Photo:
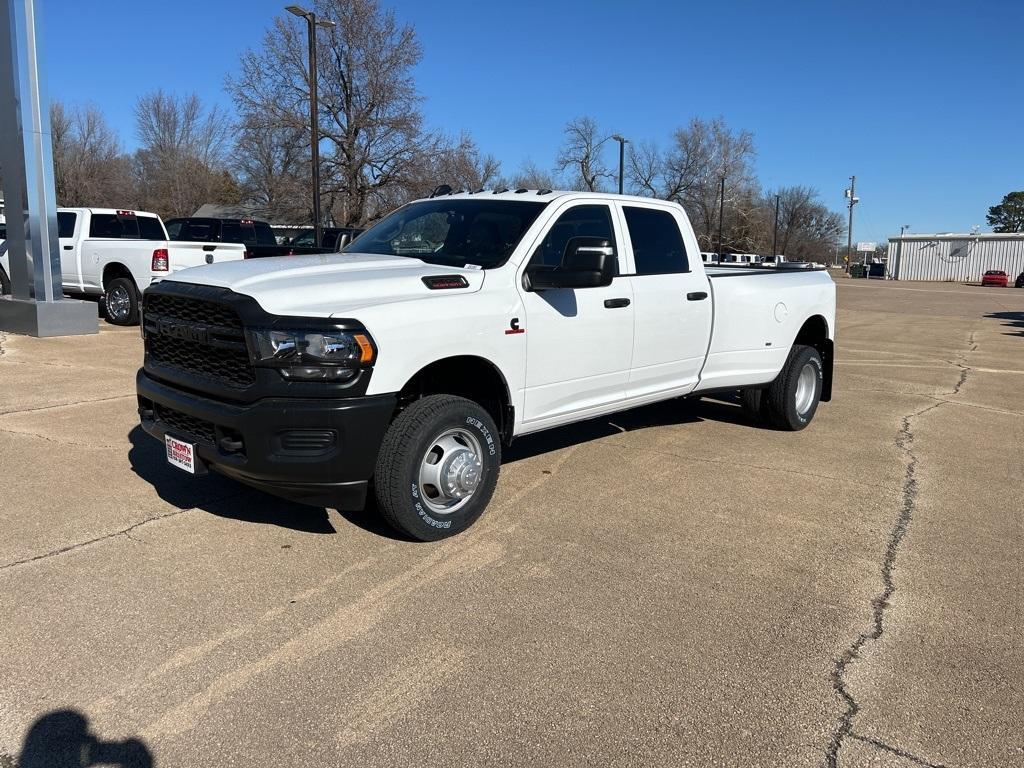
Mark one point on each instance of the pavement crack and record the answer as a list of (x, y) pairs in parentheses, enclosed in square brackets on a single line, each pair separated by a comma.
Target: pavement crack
[(895, 751), (880, 603), (66, 405), (57, 441), (126, 532)]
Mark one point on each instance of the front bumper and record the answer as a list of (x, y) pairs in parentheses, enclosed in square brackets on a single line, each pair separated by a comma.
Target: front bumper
[(314, 451)]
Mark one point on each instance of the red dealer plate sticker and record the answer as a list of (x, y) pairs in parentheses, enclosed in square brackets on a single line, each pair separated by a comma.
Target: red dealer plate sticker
[(180, 455)]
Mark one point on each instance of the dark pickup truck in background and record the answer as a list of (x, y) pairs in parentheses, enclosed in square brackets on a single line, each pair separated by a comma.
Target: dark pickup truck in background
[(257, 236), (332, 239)]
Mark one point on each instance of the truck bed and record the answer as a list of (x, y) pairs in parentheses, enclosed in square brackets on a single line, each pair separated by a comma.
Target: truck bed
[(755, 320)]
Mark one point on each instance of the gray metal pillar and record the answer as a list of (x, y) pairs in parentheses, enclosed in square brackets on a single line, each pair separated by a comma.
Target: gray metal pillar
[(37, 305)]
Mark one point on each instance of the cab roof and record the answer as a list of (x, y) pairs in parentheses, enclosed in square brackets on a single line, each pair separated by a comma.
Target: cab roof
[(542, 195)]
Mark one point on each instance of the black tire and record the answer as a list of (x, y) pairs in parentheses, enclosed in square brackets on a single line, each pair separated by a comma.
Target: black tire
[(121, 302), (408, 505), (789, 405), (755, 405), (5, 283)]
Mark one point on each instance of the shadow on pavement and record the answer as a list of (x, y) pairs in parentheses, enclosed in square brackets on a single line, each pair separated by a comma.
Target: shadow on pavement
[(723, 408), (218, 495), (223, 497), (61, 739), (1013, 320)]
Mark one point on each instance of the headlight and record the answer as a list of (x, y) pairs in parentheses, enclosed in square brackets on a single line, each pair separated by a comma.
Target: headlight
[(312, 355)]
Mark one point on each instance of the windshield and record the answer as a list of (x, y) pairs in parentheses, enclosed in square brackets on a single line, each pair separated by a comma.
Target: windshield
[(477, 232)]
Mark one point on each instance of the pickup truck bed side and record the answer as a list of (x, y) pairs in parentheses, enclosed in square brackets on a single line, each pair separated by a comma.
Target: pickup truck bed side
[(117, 254)]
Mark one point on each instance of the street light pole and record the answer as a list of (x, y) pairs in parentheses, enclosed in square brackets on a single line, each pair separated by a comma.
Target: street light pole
[(851, 194), (721, 214), (622, 157), (775, 238), (314, 112)]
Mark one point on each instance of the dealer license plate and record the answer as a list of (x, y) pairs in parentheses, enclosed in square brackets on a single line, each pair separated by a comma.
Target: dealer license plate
[(180, 455)]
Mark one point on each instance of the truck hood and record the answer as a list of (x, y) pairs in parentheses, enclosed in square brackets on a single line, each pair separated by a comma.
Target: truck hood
[(328, 284)]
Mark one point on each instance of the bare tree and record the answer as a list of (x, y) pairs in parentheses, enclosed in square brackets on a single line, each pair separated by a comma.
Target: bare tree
[(182, 161), (272, 165), (89, 167), (690, 172), (582, 156), (808, 230), (370, 118), (461, 165), (529, 176)]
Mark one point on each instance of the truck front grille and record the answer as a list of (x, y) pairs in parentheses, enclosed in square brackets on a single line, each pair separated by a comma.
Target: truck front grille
[(198, 338)]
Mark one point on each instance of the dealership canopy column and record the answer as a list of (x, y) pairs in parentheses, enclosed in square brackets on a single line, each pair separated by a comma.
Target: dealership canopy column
[(37, 305)]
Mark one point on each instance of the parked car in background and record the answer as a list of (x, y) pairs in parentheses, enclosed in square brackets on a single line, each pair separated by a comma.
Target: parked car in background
[(1019, 283), (995, 277), (257, 236), (117, 254)]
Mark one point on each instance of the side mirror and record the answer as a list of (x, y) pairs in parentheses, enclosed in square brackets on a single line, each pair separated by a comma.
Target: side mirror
[(588, 262)]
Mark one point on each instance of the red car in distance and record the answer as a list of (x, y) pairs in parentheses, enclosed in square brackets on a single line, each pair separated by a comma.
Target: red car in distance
[(995, 277)]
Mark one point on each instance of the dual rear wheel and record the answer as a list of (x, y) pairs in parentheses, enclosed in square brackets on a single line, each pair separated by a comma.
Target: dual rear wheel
[(790, 401)]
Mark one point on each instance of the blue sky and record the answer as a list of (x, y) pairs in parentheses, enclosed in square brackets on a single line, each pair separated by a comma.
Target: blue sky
[(921, 100)]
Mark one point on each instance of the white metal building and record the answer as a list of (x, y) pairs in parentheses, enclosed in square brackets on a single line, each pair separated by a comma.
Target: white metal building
[(955, 258)]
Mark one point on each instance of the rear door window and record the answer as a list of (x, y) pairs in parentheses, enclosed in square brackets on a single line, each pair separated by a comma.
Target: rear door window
[(66, 221), (657, 243)]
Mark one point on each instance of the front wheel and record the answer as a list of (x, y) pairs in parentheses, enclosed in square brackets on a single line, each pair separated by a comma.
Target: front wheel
[(437, 467), (793, 396), (121, 302), (5, 283)]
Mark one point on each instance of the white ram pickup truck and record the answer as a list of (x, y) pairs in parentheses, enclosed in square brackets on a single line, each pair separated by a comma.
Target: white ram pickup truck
[(117, 254), (454, 325)]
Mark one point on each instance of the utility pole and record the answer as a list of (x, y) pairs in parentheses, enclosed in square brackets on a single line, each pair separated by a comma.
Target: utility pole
[(314, 112), (622, 157), (721, 213), (899, 253), (851, 195), (775, 239)]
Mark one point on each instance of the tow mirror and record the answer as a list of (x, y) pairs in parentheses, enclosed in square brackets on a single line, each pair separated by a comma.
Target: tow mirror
[(588, 262)]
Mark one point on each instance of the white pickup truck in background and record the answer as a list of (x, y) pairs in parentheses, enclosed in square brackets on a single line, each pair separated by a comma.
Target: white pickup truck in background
[(454, 325), (117, 254)]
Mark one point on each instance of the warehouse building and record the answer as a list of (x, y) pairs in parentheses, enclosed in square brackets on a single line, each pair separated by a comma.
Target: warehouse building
[(955, 258)]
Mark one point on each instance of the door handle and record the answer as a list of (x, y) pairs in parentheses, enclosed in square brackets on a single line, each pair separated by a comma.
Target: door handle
[(696, 296), (68, 247), (615, 303)]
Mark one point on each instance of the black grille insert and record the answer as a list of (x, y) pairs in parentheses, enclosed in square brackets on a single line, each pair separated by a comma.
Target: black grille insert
[(197, 337), (185, 425)]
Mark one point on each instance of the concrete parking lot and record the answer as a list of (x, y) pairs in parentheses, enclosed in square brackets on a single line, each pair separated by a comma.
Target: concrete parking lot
[(670, 586)]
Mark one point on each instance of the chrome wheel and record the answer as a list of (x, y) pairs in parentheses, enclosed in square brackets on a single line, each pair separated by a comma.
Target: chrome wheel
[(806, 386), (119, 303), (450, 471)]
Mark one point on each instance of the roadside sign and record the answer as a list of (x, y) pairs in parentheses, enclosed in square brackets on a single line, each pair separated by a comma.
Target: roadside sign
[(869, 247)]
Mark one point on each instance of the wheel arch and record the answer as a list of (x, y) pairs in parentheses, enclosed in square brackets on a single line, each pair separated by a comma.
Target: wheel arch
[(114, 270), (470, 376), (815, 333)]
